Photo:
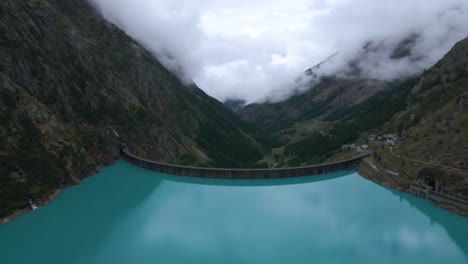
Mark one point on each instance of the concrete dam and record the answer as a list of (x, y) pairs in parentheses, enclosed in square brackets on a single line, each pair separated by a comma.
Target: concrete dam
[(234, 173)]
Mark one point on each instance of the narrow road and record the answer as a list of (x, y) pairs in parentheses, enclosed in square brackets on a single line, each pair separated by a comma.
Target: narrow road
[(372, 165), (422, 162)]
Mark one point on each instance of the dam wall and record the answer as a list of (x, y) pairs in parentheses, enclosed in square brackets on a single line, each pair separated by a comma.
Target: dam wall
[(231, 173)]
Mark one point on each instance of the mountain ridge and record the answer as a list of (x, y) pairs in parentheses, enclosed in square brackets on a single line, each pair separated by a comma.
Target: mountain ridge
[(434, 128), (427, 113)]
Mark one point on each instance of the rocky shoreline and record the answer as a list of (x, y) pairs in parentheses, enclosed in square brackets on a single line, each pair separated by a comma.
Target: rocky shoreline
[(112, 158), (379, 179), (107, 160), (42, 202)]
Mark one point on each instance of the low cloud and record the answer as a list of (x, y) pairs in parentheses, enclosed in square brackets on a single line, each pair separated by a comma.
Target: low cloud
[(255, 50)]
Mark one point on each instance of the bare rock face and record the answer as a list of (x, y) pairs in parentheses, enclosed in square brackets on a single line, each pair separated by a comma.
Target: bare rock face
[(40, 116)]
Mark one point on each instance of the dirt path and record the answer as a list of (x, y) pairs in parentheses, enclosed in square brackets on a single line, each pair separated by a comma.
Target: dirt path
[(426, 163)]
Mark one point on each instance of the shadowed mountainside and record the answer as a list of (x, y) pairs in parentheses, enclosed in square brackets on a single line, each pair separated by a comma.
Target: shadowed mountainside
[(73, 86)]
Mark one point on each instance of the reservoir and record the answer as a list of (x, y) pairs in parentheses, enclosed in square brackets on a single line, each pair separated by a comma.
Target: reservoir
[(126, 214)]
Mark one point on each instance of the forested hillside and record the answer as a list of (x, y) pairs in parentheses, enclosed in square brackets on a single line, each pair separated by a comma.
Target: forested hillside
[(73, 86)]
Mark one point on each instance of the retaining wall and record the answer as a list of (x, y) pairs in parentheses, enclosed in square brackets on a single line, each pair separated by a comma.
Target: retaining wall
[(227, 173), (447, 199)]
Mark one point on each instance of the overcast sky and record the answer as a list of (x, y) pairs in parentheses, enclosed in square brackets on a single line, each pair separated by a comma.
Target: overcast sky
[(255, 49)]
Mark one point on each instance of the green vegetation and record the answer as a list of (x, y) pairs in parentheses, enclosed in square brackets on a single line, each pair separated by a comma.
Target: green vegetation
[(365, 116), (377, 109), (187, 159), (229, 143), (73, 86), (29, 170)]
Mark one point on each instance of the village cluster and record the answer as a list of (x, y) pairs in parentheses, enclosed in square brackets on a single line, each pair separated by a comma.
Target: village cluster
[(383, 140)]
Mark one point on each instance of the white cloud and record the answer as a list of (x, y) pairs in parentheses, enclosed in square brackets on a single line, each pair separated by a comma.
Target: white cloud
[(255, 49)]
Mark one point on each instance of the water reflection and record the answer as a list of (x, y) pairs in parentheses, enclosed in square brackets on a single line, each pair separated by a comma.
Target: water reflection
[(78, 222), (257, 182), (455, 225), (335, 222), (145, 217)]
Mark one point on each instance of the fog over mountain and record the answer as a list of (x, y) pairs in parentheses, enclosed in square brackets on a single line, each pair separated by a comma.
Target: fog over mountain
[(255, 49)]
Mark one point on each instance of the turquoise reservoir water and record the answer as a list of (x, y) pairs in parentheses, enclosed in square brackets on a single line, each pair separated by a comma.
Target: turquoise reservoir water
[(126, 214)]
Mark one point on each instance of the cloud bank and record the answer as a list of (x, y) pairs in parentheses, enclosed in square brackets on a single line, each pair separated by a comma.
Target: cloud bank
[(256, 49)]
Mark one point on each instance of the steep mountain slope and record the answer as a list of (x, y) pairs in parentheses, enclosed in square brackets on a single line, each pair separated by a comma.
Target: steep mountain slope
[(348, 124), (311, 126), (435, 127), (73, 86), (329, 94), (428, 111), (234, 104)]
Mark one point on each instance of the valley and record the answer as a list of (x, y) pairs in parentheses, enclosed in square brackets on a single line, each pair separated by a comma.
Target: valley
[(426, 115)]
